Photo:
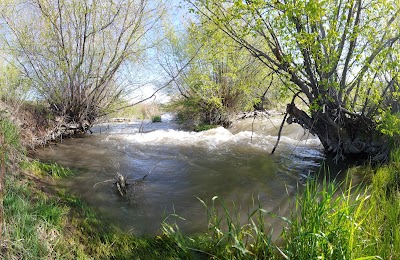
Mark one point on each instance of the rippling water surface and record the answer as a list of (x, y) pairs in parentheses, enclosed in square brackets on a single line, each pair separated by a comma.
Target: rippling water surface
[(182, 166)]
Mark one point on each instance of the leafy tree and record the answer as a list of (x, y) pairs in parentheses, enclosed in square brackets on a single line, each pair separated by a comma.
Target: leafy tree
[(340, 60), (221, 79), (13, 87), (72, 50)]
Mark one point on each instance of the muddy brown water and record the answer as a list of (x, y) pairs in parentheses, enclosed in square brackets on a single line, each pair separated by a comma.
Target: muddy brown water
[(182, 167)]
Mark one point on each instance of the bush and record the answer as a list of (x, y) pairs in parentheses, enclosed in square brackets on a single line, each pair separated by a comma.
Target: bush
[(156, 119), (204, 127), (196, 111)]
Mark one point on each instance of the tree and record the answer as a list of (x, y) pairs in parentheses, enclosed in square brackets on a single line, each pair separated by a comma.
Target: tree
[(74, 49), (13, 87), (338, 58), (221, 79)]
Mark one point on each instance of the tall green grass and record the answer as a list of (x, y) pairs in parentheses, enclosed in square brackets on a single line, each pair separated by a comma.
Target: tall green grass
[(53, 170), (227, 236), (329, 220), (382, 225), (57, 225), (10, 139), (32, 230)]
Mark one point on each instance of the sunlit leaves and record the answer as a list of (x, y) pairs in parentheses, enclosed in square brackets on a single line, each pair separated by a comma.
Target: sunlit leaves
[(323, 41), (223, 77), (389, 123)]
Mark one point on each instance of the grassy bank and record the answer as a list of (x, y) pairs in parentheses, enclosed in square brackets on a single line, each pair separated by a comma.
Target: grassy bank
[(328, 221), (41, 222), (44, 224)]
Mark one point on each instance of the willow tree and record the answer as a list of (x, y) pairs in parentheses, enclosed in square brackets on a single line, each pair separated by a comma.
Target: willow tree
[(222, 77), (71, 50), (339, 59)]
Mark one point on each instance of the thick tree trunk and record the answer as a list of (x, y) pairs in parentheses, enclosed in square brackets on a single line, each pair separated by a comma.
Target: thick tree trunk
[(342, 133)]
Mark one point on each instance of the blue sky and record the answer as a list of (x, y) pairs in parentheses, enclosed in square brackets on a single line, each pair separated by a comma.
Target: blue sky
[(147, 75)]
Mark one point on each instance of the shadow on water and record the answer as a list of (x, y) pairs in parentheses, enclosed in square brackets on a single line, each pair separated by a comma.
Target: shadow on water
[(181, 167)]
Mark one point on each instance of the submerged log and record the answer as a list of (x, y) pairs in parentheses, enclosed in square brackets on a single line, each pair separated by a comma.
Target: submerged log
[(121, 184)]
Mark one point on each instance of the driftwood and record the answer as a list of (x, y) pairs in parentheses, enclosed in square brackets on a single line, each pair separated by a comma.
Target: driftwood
[(60, 131), (122, 184), (119, 119), (258, 113)]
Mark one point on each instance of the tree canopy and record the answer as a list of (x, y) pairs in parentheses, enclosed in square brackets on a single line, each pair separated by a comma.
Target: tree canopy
[(222, 79), (73, 49)]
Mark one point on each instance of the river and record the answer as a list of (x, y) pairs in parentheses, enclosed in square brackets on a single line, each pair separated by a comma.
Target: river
[(182, 167)]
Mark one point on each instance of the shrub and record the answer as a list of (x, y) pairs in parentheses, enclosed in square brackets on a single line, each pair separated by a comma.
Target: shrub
[(156, 119), (204, 127)]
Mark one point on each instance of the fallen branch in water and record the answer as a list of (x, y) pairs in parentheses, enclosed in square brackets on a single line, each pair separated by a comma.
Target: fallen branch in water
[(121, 184), (94, 186)]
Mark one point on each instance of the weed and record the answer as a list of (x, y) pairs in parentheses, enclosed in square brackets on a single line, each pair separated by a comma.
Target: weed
[(53, 170), (227, 237), (10, 133)]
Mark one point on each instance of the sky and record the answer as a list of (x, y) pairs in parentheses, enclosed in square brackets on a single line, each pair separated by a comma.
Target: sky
[(147, 76)]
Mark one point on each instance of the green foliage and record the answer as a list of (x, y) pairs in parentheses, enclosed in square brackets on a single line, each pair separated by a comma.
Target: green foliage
[(342, 56), (221, 79), (13, 86), (156, 119), (188, 111), (53, 170), (325, 223), (204, 127), (227, 237), (389, 124), (10, 133)]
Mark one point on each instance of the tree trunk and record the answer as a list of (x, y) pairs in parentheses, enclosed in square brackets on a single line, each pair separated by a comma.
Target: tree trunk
[(342, 133)]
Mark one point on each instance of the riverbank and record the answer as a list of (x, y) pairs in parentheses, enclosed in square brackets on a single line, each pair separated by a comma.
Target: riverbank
[(329, 220), (42, 222)]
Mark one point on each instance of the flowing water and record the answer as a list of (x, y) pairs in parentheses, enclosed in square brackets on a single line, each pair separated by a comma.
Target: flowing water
[(182, 167)]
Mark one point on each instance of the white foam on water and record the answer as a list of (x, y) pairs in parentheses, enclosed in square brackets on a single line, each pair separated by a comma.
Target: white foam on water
[(211, 139), (168, 117)]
